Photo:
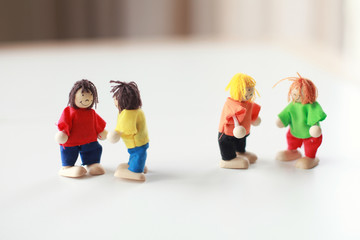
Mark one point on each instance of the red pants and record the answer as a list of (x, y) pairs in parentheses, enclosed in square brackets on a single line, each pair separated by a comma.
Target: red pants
[(310, 144)]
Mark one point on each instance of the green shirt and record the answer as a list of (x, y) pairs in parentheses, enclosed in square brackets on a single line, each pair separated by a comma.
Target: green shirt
[(301, 117)]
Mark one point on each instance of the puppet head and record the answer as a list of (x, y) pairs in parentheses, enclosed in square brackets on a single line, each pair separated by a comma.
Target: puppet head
[(83, 95), (126, 95), (301, 90), (242, 87)]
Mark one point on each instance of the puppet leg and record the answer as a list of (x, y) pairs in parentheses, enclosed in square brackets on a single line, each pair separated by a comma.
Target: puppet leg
[(136, 164), (69, 156), (310, 160), (126, 165), (90, 156), (249, 155), (292, 153), (228, 153), (240, 147)]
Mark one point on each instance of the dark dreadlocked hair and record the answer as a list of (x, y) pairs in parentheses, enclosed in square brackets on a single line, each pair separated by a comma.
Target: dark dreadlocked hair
[(127, 95), (85, 86)]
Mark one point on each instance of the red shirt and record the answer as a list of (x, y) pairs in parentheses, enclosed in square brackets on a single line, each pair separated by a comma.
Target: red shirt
[(81, 125), (245, 112)]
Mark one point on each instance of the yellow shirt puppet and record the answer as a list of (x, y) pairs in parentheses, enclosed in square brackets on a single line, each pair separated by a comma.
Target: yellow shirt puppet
[(131, 127)]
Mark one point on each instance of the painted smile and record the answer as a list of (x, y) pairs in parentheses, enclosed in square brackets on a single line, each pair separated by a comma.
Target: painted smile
[(84, 104)]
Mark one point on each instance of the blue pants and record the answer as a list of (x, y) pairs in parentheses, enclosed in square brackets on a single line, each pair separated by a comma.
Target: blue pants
[(90, 153), (137, 158)]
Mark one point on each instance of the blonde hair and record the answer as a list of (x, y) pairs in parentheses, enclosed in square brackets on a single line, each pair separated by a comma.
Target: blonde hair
[(238, 85)]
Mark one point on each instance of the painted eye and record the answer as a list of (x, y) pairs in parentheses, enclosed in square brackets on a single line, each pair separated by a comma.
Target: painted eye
[(82, 94)]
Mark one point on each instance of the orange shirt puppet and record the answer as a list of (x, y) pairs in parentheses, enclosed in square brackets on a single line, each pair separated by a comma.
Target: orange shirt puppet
[(239, 113)]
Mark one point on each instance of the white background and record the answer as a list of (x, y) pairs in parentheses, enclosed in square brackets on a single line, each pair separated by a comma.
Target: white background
[(186, 195)]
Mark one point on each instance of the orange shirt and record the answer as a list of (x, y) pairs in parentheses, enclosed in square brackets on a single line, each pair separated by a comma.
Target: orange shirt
[(245, 113)]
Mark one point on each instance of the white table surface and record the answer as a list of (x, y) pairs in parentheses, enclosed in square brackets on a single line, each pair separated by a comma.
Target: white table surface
[(186, 195)]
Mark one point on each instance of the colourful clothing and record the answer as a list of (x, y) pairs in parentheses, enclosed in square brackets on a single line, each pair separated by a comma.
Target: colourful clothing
[(245, 113), (81, 125), (90, 153), (301, 117), (311, 144), (132, 126), (229, 145), (137, 158)]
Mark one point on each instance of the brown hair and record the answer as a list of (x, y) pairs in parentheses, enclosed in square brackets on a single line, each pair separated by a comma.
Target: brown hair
[(127, 95), (84, 85)]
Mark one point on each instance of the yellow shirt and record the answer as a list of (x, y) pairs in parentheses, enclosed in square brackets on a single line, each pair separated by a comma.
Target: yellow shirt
[(132, 126)]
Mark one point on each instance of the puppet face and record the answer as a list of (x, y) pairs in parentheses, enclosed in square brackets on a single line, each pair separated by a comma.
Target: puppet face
[(249, 93), (296, 95), (83, 99)]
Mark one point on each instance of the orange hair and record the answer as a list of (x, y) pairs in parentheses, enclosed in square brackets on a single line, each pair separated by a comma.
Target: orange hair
[(307, 88)]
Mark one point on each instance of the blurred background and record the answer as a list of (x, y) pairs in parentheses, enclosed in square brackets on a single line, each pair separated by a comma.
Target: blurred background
[(332, 24), (330, 28)]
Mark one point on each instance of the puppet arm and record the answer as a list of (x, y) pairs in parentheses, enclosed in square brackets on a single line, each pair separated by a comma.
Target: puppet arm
[(61, 137), (239, 131), (256, 122), (279, 123), (114, 136), (64, 126), (103, 135), (315, 131)]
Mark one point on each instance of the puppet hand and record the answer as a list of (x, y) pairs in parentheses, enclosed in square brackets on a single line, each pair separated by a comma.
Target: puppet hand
[(279, 123), (256, 122), (114, 136), (315, 131), (103, 134), (61, 137), (239, 132)]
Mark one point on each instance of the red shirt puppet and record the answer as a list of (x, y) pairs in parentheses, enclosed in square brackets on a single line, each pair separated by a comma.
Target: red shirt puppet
[(79, 128)]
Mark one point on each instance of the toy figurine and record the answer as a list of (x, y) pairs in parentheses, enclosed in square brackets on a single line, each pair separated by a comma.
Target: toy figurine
[(131, 127), (79, 128), (239, 112), (303, 114)]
